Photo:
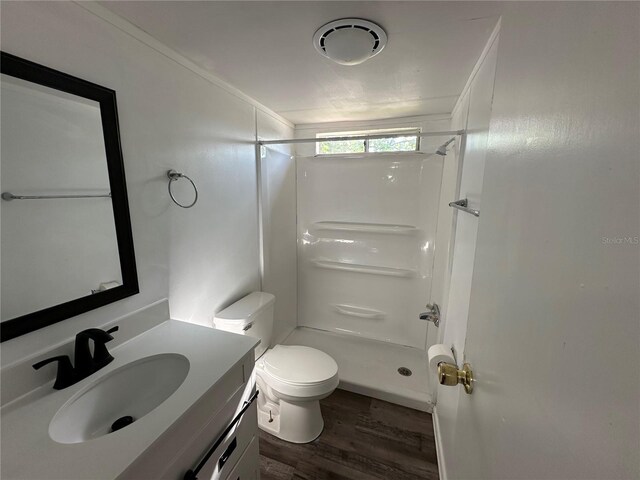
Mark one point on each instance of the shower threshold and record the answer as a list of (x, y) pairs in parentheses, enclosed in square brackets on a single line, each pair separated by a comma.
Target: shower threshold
[(371, 367)]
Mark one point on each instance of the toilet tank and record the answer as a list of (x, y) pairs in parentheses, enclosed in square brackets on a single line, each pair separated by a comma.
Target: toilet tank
[(251, 315)]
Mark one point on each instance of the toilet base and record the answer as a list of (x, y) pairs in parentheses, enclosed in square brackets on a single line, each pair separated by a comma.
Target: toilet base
[(296, 422)]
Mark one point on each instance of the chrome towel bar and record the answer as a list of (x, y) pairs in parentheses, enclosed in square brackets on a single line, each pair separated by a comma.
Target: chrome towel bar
[(463, 205), (8, 196)]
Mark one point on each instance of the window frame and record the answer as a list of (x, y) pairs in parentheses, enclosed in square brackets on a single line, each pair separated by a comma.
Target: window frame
[(404, 131)]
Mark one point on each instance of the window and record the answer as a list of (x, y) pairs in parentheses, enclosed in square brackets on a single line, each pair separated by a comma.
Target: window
[(408, 142)]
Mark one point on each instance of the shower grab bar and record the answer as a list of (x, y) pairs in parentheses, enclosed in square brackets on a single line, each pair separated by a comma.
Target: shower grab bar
[(8, 196), (463, 205)]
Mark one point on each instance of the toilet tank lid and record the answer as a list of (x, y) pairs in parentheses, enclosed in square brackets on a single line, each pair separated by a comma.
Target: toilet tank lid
[(246, 307)]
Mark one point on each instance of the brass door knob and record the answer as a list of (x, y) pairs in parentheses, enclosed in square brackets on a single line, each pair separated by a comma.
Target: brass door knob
[(449, 374)]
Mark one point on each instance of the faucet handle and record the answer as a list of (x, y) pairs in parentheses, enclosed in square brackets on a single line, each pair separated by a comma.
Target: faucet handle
[(101, 355), (432, 314), (86, 363), (66, 375), (97, 334)]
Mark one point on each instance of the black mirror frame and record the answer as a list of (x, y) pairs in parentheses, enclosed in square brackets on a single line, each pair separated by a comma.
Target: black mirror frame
[(41, 75)]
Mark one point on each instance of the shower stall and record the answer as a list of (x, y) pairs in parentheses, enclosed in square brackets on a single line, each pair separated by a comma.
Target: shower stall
[(366, 227)]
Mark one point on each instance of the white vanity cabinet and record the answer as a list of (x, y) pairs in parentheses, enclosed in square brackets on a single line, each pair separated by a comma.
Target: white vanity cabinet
[(170, 434), (187, 442)]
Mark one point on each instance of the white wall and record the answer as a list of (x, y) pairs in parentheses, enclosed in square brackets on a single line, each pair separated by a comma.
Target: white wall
[(172, 115), (553, 320), (214, 245), (279, 237)]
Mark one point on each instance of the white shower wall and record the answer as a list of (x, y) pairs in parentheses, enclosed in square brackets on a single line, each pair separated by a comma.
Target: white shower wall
[(366, 233), (278, 220)]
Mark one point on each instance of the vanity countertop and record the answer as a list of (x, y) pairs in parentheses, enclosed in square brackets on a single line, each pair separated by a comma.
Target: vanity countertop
[(28, 452)]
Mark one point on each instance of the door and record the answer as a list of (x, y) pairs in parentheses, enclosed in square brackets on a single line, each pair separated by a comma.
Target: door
[(553, 328)]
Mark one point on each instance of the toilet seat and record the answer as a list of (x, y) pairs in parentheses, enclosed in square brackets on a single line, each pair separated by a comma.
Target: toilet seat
[(298, 365), (298, 371)]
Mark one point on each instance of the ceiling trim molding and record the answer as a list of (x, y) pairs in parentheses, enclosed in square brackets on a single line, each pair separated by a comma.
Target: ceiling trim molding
[(142, 36), (476, 67)]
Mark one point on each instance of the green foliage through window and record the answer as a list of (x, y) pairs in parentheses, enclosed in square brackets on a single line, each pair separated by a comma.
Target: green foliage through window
[(406, 143), (342, 146), (397, 144)]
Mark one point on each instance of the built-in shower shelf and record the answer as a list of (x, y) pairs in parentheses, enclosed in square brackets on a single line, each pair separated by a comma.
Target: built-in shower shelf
[(366, 227), (360, 312), (369, 269)]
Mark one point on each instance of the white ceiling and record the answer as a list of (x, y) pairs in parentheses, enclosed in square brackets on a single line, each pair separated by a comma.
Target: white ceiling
[(265, 49)]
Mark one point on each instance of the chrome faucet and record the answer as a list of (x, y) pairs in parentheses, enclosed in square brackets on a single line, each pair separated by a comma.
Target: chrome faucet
[(432, 314)]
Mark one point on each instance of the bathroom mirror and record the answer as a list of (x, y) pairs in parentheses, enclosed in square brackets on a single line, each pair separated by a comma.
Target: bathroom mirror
[(66, 233)]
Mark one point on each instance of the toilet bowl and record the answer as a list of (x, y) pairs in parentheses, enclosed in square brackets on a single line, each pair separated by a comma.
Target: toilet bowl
[(292, 379)]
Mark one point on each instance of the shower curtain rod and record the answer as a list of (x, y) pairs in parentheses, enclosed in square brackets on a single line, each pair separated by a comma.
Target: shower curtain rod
[(360, 137)]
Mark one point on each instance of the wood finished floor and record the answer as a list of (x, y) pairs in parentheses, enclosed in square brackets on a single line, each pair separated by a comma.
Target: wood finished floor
[(363, 438)]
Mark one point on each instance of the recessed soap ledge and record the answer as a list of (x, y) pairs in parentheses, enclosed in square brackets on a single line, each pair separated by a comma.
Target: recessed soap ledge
[(383, 228), (358, 268), (29, 451)]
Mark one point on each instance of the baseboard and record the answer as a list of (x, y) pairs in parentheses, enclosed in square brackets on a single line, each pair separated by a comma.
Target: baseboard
[(439, 451)]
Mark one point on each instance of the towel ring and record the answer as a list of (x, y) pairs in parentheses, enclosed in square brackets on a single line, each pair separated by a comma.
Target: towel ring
[(174, 176)]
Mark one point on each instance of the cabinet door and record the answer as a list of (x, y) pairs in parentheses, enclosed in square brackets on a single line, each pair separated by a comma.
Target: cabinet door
[(226, 456), (248, 467)]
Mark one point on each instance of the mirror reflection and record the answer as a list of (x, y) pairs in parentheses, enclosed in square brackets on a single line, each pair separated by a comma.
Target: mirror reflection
[(57, 222)]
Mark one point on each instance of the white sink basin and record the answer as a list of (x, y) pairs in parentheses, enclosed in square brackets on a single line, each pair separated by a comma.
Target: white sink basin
[(134, 389)]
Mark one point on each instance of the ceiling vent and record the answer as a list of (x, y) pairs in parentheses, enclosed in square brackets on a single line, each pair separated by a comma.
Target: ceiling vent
[(350, 41)]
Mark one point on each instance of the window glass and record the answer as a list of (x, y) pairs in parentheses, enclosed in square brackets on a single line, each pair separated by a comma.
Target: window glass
[(397, 144), (405, 143), (342, 146)]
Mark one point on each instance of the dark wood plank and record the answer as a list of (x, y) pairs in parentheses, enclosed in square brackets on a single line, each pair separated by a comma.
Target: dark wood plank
[(388, 454), (318, 468), (363, 439), (401, 417), (361, 456), (375, 429), (273, 470), (348, 402), (281, 451)]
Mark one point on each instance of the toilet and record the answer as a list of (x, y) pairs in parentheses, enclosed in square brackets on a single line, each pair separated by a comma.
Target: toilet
[(291, 378)]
